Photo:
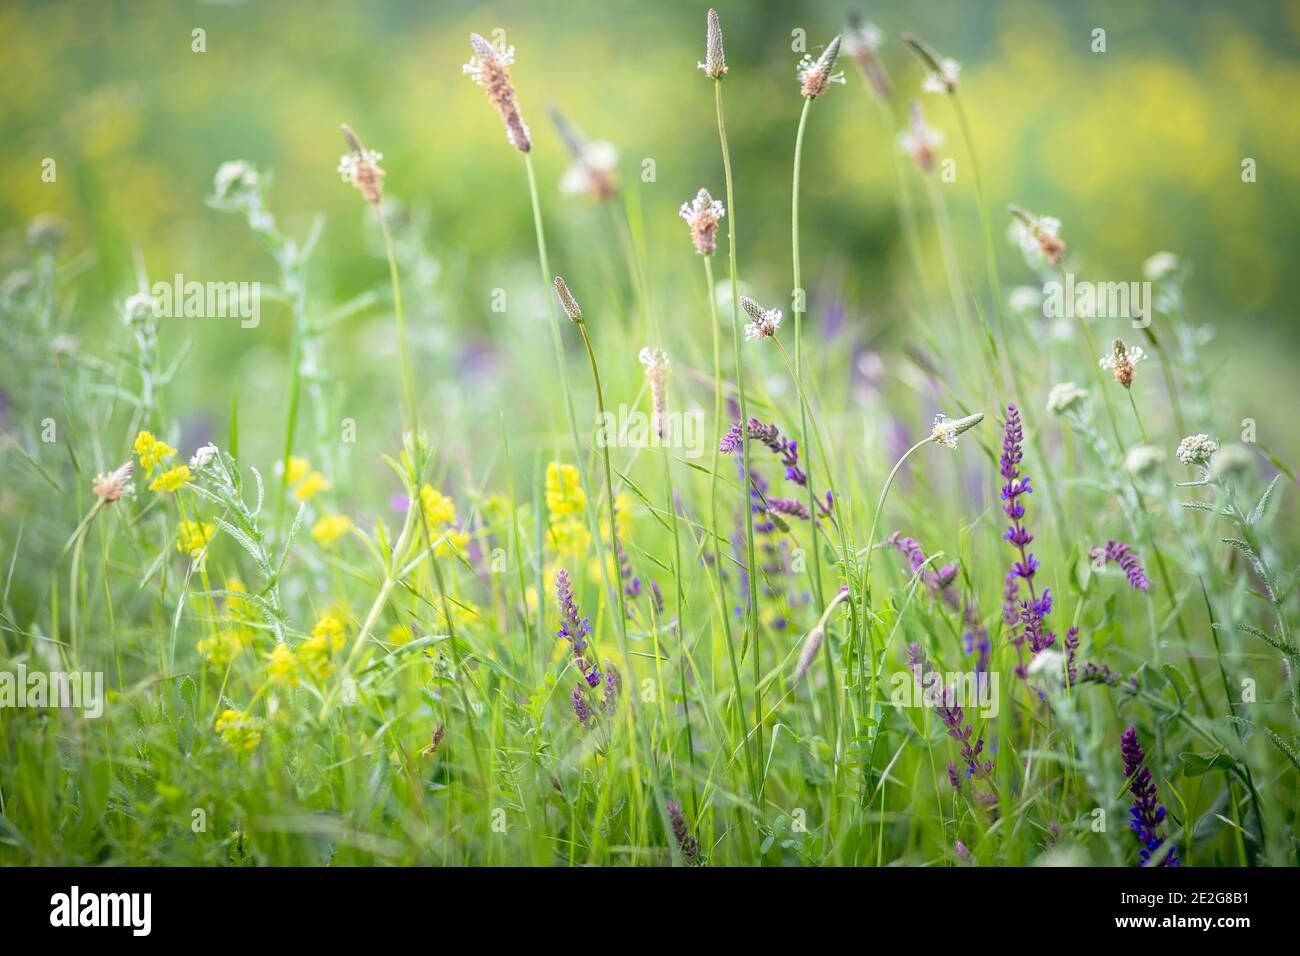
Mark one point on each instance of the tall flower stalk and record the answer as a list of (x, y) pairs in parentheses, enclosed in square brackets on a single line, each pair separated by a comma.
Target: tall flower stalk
[(715, 66)]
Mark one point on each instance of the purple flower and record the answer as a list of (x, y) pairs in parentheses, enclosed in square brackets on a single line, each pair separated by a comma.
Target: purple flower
[(631, 583), (1123, 555), (1146, 811), (580, 707), (951, 713), (682, 834), (788, 451), (1027, 614), (574, 629)]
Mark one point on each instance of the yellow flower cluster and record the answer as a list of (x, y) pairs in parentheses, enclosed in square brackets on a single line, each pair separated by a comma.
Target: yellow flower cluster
[(193, 536), (224, 646), (330, 528), (566, 503), (439, 513), (307, 483), (241, 732), (326, 640), (282, 667), (173, 479), (151, 451)]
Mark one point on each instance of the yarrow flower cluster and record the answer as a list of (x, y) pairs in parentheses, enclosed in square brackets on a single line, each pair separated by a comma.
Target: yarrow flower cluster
[(1065, 397), (702, 214), (1124, 555), (1147, 812), (764, 322), (1120, 359), (490, 69), (1196, 449), (815, 76)]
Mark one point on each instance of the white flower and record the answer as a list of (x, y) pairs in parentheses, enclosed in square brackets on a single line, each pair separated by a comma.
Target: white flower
[(1143, 461), (485, 52), (591, 169), (945, 81), (1160, 266), (1196, 449), (1049, 662), (1026, 300), (765, 321), (140, 306), (1122, 354), (947, 430), (864, 37), (1065, 397), (234, 179), (702, 214), (203, 456), (351, 161)]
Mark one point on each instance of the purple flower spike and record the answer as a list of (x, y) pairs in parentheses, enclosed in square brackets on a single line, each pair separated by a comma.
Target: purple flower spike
[(1028, 614), (1147, 812), (1124, 555)]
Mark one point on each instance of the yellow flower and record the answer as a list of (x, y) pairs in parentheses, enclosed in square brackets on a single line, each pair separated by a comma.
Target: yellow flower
[(330, 629), (223, 647), (399, 634), (570, 536), (330, 528), (235, 605), (296, 469), (313, 483), (241, 732), (564, 495), (152, 452), (438, 508), (281, 667), (455, 542), (193, 536), (173, 479)]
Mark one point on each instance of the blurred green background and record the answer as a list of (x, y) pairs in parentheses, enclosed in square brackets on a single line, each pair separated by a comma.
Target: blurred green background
[(1136, 150)]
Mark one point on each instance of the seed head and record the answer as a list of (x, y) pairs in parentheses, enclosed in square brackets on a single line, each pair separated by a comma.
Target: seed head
[(360, 167), (815, 76), (941, 75), (920, 140), (702, 214), (567, 301), (592, 171), (946, 430), (490, 69), (112, 485), (1121, 358), (861, 41), (715, 61), (656, 371), (1037, 235), (765, 321)]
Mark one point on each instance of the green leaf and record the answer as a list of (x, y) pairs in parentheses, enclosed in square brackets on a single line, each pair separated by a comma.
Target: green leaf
[(1258, 511), (1196, 765), (1179, 682)]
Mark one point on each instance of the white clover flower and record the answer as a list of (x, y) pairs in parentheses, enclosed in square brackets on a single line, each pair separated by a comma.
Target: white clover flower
[(765, 321), (944, 81), (1196, 449), (946, 431), (1161, 266), (1065, 397), (1143, 461), (203, 456)]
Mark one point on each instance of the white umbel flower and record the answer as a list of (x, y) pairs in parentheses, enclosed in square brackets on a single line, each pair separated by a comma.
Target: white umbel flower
[(1196, 449), (203, 456), (1065, 397)]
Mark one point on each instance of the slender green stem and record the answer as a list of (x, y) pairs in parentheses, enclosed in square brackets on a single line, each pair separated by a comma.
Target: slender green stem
[(408, 388), (751, 565)]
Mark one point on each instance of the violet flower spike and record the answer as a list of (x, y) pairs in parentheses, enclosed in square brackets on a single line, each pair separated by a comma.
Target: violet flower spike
[(1147, 812)]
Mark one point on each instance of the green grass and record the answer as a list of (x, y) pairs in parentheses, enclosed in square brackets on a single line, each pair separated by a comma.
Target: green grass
[(435, 725)]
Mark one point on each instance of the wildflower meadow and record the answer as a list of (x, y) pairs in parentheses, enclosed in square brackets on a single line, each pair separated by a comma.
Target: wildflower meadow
[(693, 502)]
